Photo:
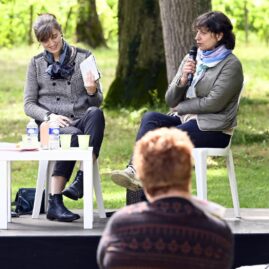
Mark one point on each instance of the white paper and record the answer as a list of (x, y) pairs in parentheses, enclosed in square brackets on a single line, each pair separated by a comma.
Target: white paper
[(87, 65)]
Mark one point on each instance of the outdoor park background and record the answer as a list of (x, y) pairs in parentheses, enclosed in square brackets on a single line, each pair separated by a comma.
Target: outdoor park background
[(250, 141)]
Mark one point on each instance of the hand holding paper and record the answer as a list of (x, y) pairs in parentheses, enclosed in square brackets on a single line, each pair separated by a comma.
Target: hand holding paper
[(89, 66), (89, 83)]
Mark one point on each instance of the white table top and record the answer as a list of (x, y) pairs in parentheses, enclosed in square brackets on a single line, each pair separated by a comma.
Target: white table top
[(8, 151)]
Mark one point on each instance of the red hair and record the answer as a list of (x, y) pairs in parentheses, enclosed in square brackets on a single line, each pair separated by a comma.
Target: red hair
[(163, 160)]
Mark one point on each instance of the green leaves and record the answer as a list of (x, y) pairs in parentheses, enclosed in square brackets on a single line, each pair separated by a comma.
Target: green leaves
[(247, 16), (15, 22)]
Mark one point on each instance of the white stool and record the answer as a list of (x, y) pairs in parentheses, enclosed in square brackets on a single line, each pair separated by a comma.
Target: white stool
[(200, 159), (44, 174)]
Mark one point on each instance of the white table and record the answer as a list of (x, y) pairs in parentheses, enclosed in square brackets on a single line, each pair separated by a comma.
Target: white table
[(7, 156)]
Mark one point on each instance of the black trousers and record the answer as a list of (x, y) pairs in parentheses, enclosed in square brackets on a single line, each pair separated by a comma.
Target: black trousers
[(92, 123)]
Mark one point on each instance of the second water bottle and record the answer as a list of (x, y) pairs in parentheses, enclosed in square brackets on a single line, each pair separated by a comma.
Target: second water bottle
[(54, 135)]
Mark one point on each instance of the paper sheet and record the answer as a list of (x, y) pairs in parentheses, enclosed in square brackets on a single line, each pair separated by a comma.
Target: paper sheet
[(87, 65)]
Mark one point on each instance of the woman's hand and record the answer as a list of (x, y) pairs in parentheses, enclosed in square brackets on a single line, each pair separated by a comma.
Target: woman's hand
[(188, 68), (63, 121), (90, 83)]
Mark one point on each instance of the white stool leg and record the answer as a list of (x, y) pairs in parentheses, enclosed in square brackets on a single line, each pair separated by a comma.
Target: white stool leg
[(9, 192), (47, 188), (41, 180), (233, 184), (88, 194), (200, 158), (98, 190), (4, 194)]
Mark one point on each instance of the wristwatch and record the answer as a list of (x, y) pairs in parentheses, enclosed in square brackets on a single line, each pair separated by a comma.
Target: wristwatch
[(47, 116)]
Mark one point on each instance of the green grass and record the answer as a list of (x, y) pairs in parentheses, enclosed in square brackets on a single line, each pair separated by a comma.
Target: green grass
[(250, 141)]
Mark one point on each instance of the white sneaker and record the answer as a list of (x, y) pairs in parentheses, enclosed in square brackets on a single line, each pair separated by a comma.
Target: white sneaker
[(126, 178)]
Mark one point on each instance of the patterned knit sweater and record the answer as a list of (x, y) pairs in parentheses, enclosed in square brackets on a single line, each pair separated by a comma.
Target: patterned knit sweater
[(168, 233)]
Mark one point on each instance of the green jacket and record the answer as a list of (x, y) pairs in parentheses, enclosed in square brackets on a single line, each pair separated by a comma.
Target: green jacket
[(217, 93)]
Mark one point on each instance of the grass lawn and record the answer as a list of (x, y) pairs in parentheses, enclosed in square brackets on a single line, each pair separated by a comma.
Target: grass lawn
[(250, 141)]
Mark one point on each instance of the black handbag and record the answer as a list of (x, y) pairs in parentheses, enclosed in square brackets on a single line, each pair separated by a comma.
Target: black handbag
[(24, 201)]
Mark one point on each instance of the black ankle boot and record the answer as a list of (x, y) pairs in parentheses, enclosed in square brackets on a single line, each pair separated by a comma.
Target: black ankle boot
[(57, 210), (75, 190)]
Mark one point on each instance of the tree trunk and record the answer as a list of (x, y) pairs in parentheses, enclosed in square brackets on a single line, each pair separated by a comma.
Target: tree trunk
[(30, 37), (177, 18), (203, 6), (246, 21), (141, 73), (89, 29), (67, 19)]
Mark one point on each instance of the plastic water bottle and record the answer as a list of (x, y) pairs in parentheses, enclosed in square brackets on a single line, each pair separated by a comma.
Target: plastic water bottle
[(32, 132), (54, 135)]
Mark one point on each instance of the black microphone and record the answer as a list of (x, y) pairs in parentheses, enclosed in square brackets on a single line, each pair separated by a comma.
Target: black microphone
[(192, 55)]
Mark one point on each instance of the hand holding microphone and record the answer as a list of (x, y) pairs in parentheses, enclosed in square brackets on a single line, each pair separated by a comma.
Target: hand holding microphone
[(189, 68), (192, 55)]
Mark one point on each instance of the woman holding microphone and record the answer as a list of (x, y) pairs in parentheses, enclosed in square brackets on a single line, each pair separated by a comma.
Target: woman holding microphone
[(206, 108)]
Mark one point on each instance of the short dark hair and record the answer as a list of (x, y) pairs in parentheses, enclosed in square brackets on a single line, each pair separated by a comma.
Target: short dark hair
[(217, 22), (44, 26)]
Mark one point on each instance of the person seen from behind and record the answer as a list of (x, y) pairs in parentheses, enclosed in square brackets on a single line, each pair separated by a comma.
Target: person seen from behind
[(172, 229)]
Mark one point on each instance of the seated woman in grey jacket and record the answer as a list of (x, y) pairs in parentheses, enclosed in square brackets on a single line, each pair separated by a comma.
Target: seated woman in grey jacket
[(207, 108), (55, 89)]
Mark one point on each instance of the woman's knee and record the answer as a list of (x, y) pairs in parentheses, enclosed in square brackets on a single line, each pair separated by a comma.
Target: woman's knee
[(96, 112), (150, 116), (70, 130)]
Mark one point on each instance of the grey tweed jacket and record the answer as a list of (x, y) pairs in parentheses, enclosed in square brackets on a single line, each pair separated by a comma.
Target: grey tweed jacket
[(66, 97), (217, 93)]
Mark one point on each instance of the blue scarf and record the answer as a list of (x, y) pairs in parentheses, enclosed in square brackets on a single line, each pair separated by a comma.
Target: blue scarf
[(62, 69), (206, 59)]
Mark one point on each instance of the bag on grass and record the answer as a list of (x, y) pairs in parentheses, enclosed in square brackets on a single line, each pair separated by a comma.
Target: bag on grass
[(24, 201)]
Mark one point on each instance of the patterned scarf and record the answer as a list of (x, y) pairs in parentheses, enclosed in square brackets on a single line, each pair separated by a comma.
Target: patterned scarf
[(62, 69), (206, 59)]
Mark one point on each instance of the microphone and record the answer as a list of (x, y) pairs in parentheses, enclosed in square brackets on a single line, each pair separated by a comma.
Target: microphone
[(192, 55)]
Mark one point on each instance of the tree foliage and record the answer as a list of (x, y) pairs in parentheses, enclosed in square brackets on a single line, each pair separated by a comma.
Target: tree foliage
[(15, 18), (248, 16), (261, 22)]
